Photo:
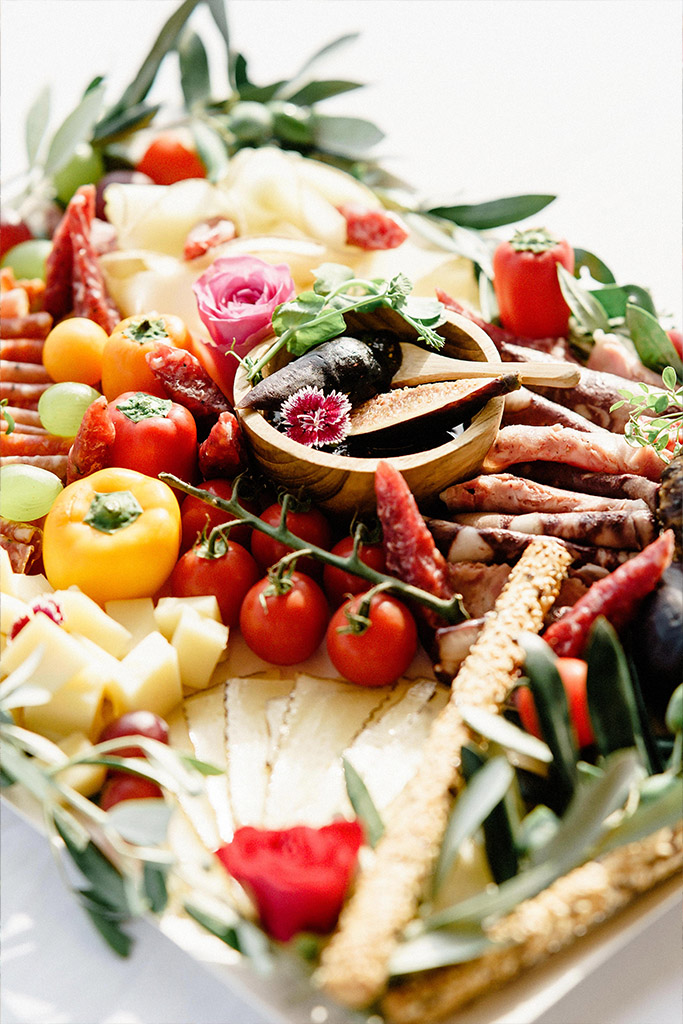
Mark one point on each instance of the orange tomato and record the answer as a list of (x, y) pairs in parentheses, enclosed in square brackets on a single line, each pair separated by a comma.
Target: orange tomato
[(73, 351), (124, 366)]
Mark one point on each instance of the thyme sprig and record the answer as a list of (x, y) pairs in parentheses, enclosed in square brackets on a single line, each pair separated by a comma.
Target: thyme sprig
[(656, 415), (451, 610)]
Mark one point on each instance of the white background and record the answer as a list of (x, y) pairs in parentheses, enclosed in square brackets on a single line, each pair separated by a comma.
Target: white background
[(478, 99)]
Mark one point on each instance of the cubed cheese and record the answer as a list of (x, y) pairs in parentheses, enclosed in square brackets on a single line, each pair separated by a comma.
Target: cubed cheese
[(199, 643), (169, 609), (63, 656), (83, 615), (84, 704), (136, 614), (6, 573), (151, 676), (86, 779), (11, 609)]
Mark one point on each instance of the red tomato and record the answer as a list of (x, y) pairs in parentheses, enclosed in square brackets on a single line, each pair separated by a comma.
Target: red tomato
[(527, 288), (380, 654), (311, 526), (573, 673), (338, 584), (128, 787), (135, 723), (196, 515), (153, 435), (167, 160), (676, 339), (285, 628), (222, 568)]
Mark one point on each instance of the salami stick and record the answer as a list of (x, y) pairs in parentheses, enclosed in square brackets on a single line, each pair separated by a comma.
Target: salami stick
[(35, 325), (24, 350), (354, 966), (53, 463), (541, 926), (26, 396), (24, 373)]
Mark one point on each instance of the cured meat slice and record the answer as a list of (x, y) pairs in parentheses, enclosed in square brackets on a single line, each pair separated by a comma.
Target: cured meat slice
[(24, 350), (610, 355), (23, 416), (524, 406), (35, 325), (602, 453), (505, 492), (26, 396), (185, 381), (23, 543), (25, 373), (602, 529), (20, 443), (608, 485), (617, 597), (371, 229), (409, 547), (53, 463), (93, 442), (224, 452)]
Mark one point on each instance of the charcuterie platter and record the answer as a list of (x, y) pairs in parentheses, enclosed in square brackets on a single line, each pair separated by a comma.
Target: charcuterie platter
[(340, 560)]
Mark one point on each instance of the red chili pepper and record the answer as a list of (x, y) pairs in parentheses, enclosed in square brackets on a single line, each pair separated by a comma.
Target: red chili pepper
[(525, 282), (298, 877), (616, 596)]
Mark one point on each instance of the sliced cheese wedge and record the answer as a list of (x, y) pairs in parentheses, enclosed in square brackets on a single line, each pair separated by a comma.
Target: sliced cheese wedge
[(205, 716), (197, 808)]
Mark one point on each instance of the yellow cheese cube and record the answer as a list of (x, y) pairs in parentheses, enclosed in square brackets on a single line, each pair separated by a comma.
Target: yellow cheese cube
[(28, 588), (6, 573), (135, 614), (84, 704), (86, 779), (63, 656), (83, 615), (151, 676), (169, 609), (199, 643), (11, 609)]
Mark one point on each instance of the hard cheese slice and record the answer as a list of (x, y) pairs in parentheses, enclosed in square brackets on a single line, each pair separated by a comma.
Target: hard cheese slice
[(197, 808), (205, 714)]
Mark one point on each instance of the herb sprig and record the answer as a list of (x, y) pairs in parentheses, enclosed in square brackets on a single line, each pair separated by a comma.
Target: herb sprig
[(656, 415)]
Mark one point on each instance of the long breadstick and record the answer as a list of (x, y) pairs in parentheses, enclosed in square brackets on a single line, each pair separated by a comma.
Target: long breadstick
[(354, 965)]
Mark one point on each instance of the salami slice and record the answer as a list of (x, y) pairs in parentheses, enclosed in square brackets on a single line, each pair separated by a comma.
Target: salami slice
[(93, 443), (23, 350), (224, 452), (35, 325), (89, 292), (371, 229), (185, 381)]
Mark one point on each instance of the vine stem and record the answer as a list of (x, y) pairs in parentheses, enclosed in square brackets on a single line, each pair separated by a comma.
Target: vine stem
[(450, 610)]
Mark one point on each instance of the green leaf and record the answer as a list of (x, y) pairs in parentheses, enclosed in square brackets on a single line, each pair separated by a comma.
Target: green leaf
[(507, 735), (240, 72), (224, 927), (115, 127), (36, 123), (437, 949), (614, 299), (652, 343), (307, 321), (330, 276), (195, 80), (219, 15), (143, 822), (163, 44), (76, 128), (494, 213), (114, 936), (612, 702), (536, 829), (154, 881), (501, 850), (362, 803), (203, 767), (426, 310), (598, 270), (260, 93), (453, 238), (475, 802), (297, 312), (234, 931), (292, 129), (553, 714), (660, 811), (674, 711), (211, 149), (316, 92), (584, 307), (105, 879), (345, 136)]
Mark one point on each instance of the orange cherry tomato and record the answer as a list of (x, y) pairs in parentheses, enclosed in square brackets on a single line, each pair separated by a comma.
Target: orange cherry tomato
[(73, 351), (573, 672), (124, 366)]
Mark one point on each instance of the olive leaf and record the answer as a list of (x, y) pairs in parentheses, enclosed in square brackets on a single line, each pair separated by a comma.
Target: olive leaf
[(195, 80), (437, 949), (362, 803), (652, 343), (317, 91), (345, 136), (506, 734), (75, 128), (454, 238), (154, 883), (36, 123), (501, 850), (493, 213), (585, 308), (662, 809), (598, 270), (117, 126), (614, 298), (143, 822)]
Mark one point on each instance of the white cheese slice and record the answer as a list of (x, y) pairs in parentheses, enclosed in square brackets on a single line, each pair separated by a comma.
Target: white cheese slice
[(205, 716), (196, 807), (150, 677), (28, 588), (199, 641), (63, 656), (323, 718), (256, 709)]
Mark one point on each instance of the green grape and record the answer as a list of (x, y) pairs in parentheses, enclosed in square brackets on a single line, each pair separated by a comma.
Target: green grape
[(27, 492), (62, 407), (83, 168), (27, 259)]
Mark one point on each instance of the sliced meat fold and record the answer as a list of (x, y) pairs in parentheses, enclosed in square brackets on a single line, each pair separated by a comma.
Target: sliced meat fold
[(505, 492)]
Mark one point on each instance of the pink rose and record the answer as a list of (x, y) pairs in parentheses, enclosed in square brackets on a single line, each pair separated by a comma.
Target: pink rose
[(236, 298)]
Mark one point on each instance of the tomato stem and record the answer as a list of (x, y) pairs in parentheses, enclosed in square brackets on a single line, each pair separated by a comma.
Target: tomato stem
[(450, 610)]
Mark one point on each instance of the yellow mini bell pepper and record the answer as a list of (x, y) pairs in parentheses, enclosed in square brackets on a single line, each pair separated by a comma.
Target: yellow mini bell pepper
[(115, 534)]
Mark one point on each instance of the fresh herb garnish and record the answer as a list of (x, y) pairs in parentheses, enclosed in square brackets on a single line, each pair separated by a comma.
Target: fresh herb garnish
[(656, 415)]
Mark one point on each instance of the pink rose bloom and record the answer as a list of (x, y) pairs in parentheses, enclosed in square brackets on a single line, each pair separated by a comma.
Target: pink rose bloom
[(236, 298)]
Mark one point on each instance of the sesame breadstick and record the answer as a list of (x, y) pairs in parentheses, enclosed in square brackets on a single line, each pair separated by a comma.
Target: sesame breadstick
[(354, 966)]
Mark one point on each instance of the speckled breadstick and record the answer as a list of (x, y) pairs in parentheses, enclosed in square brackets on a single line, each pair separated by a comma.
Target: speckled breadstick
[(354, 965), (541, 926)]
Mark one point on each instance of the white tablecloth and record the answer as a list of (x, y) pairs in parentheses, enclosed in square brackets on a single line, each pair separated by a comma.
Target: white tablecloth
[(479, 99)]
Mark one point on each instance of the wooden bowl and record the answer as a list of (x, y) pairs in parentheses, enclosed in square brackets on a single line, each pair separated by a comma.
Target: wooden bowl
[(344, 484)]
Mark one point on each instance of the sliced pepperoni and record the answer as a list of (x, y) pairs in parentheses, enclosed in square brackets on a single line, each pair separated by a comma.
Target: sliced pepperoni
[(224, 452), (93, 443), (371, 229), (185, 380)]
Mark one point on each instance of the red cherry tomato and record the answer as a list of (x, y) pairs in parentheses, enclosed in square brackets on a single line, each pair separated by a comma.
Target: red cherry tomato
[(338, 584), (153, 435), (167, 160), (197, 515), (128, 787), (222, 568), (380, 654), (573, 673), (285, 628), (311, 526), (135, 723)]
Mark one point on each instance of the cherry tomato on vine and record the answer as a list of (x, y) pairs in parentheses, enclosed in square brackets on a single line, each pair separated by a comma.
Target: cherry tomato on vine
[(219, 567), (339, 584), (573, 673), (73, 351), (196, 515), (153, 435), (167, 160), (128, 787), (383, 651), (288, 627), (134, 723), (311, 526)]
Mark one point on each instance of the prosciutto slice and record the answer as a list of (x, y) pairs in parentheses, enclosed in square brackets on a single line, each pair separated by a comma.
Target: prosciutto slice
[(607, 485), (601, 453), (524, 406), (610, 355), (602, 529), (505, 492)]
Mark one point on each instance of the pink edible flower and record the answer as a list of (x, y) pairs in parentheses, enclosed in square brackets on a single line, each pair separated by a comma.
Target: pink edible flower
[(315, 419)]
